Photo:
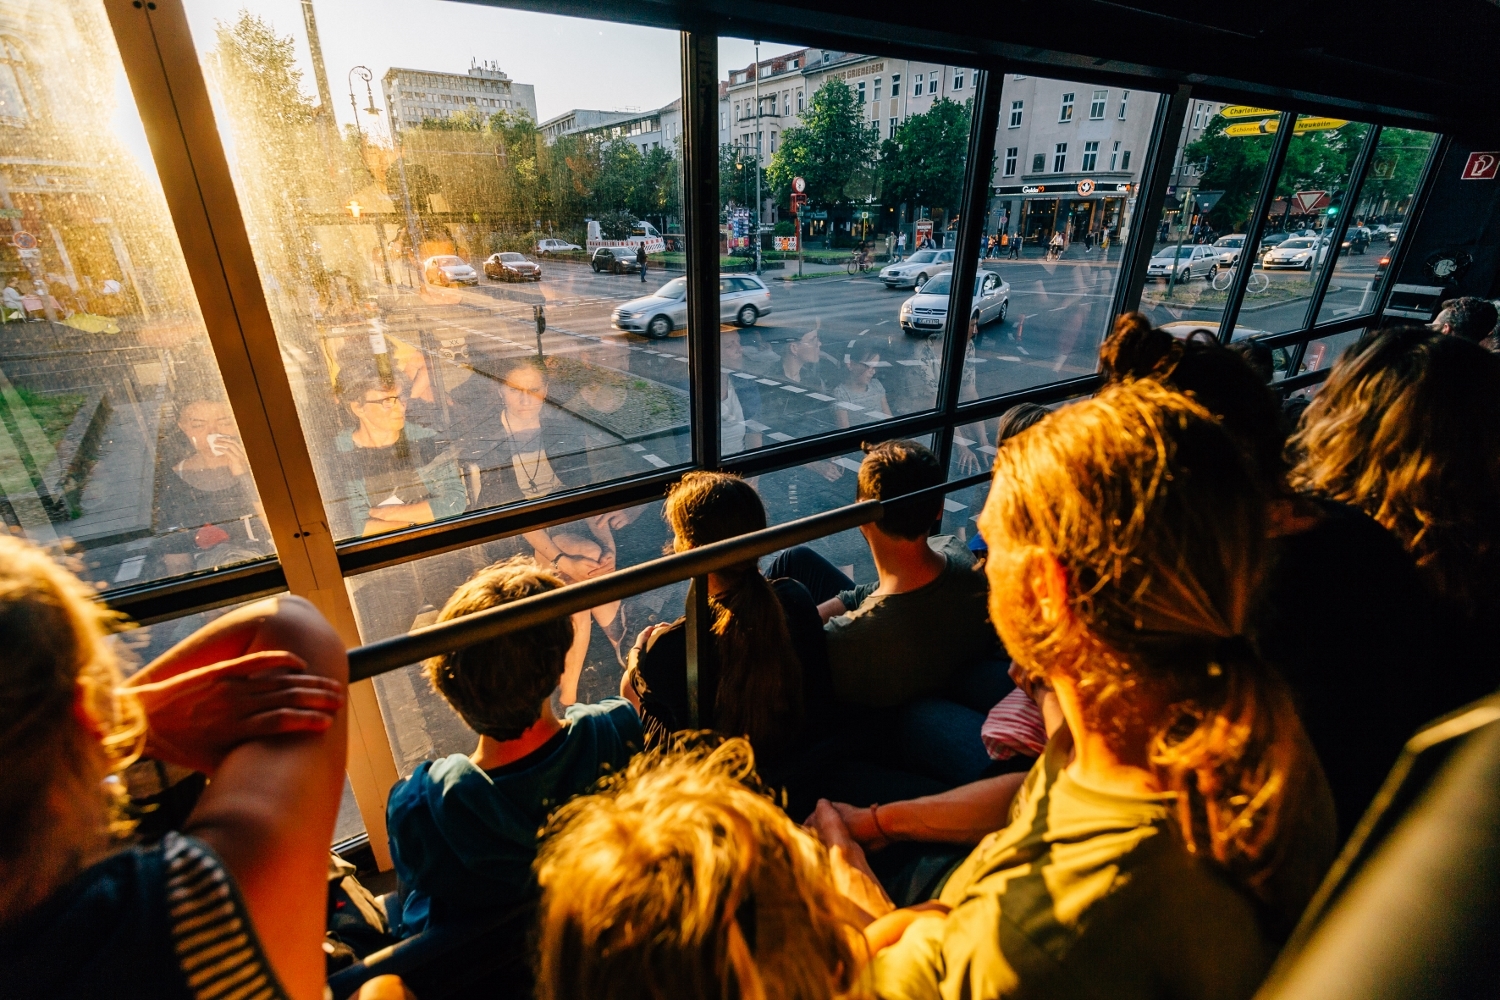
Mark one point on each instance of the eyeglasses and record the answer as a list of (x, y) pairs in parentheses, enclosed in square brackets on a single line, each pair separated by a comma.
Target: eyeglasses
[(388, 402)]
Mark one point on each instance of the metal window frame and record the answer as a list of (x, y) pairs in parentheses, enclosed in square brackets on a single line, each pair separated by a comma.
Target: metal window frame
[(1257, 227), (1353, 185), (1166, 131)]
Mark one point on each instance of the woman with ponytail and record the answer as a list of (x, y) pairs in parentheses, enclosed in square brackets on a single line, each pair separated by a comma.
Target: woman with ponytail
[(769, 671), (1179, 822)]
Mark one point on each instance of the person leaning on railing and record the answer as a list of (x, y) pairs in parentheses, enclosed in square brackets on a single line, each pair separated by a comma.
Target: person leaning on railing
[(235, 900)]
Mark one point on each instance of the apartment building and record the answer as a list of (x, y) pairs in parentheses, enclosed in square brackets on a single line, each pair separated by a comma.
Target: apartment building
[(412, 95)]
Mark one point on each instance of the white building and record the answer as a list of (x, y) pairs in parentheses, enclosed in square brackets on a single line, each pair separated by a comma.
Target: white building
[(412, 95), (648, 130)]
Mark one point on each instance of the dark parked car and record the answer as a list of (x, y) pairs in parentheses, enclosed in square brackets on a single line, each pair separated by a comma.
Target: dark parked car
[(1356, 240), (617, 260)]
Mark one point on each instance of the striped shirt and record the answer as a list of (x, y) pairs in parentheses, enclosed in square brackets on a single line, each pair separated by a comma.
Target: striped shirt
[(215, 944)]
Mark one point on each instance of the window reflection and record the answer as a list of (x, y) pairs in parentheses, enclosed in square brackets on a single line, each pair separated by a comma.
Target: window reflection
[(453, 255), (117, 444)]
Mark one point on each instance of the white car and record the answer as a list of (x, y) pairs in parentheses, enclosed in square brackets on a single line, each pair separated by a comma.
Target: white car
[(914, 271), (743, 299), (924, 313), (555, 246), (1229, 248), (446, 269), (1186, 261), (1300, 252)]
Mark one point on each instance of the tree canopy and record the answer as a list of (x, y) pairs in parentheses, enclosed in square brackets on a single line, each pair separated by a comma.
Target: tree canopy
[(832, 150), (923, 163)]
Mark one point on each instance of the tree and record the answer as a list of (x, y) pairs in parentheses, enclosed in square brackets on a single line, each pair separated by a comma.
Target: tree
[(736, 176), (1394, 172), (923, 163), (832, 149)]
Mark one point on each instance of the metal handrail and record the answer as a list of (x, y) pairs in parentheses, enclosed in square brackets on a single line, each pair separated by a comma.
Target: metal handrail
[(398, 651)]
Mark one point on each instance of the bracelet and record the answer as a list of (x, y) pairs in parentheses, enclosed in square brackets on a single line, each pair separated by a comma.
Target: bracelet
[(875, 818)]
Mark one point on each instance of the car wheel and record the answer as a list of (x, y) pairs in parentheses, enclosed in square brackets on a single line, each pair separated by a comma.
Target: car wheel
[(1185, 276), (660, 328), (594, 266), (747, 316), (1307, 266), (1004, 311), (1212, 271)]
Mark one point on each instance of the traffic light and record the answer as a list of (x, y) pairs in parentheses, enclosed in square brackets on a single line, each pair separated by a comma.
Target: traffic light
[(1333, 210)]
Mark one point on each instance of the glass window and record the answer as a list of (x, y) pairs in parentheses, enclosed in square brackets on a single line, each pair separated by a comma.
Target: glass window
[(1375, 222), (425, 382), (1124, 100), (1044, 323), (1212, 192), (1065, 114), (1096, 107), (1011, 154), (1016, 107), (804, 357), (1059, 157), (877, 88), (958, 79), (1125, 160), (859, 89), (895, 84), (917, 86), (1325, 352), (1311, 192), (117, 444)]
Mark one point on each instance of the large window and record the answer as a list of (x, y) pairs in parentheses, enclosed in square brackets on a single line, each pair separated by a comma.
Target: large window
[(480, 304), (812, 344), (117, 444)]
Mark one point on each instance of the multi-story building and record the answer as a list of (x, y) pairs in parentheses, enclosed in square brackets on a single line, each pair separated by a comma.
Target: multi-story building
[(648, 130), (413, 95)]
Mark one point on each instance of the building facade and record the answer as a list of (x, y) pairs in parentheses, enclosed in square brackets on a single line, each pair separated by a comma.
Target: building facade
[(413, 95), (647, 130)]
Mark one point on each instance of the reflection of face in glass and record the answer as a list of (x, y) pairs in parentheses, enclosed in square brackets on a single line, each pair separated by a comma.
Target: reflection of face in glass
[(524, 391), (201, 419), (383, 410), (731, 351), (863, 370), (806, 348)]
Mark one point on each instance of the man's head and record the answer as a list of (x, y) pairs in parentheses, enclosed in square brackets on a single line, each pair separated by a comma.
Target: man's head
[(498, 686), (806, 348), (893, 469), (1469, 318), (524, 389)]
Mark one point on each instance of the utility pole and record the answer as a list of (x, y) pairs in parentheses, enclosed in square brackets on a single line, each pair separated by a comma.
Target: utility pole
[(320, 73), (758, 141)]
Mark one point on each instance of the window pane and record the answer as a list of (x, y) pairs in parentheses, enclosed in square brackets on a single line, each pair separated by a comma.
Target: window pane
[(116, 443), (396, 599), (1325, 353), (813, 343), (412, 240), (1218, 167), (1053, 244), (1375, 222), (1311, 192)]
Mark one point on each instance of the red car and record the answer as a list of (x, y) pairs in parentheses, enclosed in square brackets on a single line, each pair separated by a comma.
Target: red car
[(512, 267)]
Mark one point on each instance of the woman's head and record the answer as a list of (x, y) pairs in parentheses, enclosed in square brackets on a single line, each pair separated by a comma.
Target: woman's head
[(64, 724), (203, 417), (677, 880), (524, 390), (1127, 542), (860, 364), (1407, 428), (377, 401), (760, 676), (1220, 379)]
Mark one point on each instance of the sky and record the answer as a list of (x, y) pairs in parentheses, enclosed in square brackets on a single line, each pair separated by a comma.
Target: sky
[(572, 63)]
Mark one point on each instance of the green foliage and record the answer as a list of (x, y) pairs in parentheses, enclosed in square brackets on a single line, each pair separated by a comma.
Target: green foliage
[(832, 150), (464, 121), (737, 176), (616, 225), (1234, 165), (1395, 170), (923, 163)]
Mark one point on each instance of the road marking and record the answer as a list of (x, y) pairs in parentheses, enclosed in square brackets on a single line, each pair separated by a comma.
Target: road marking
[(989, 449), (882, 322), (676, 357), (637, 447), (965, 442), (953, 506), (130, 569), (779, 436), (793, 388), (863, 332), (756, 426), (847, 463), (743, 375), (820, 397), (1061, 308), (909, 363), (1060, 359), (1008, 357), (767, 381), (660, 463), (848, 406)]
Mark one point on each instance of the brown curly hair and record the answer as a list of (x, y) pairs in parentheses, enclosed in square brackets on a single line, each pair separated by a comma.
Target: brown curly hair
[(678, 880), (1155, 518), (1407, 429)]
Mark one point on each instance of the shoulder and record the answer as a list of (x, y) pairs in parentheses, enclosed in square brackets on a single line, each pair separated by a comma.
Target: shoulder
[(416, 432), (345, 440), (612, 715)]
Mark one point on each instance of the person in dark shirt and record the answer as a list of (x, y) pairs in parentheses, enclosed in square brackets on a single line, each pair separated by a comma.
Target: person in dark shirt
[(207, 510), (768, 677), (233, 899), (463, 829)]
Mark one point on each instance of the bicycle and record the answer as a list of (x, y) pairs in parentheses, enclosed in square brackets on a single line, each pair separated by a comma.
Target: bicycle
[(858, 263), (1256, 284)]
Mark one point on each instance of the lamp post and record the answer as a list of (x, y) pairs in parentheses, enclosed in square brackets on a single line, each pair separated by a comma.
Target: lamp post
[(363, 72), (758, 141)]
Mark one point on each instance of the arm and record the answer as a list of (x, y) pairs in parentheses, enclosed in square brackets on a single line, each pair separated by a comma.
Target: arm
[(831, 608), (963, 815), (441, 478), (269, 811)]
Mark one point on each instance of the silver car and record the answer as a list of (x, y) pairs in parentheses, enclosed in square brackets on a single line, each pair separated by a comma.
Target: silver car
[(743, 299), (555, 246), (914, 271), (1186, 262), (446, 269), (924, 313), (1301, 252), (1228, 249)]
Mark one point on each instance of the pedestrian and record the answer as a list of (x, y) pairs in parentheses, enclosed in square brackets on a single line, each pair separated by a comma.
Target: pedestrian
[(1104, 239), (640, 259), (1056, 246), (900, 246), (1015, 246), (1088, 242)]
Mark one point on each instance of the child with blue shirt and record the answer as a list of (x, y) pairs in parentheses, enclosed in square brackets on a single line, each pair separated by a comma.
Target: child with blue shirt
[(463, 829)]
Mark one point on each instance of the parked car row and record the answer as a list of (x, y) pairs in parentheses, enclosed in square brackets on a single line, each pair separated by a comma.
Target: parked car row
[(743, 299)]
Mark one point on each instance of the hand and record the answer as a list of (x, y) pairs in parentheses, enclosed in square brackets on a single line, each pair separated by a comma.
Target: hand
[(887, 930), (847, 863), (605, 563), (235, 452), (968, 462), (576, 568), (617, 519), (196, 717)]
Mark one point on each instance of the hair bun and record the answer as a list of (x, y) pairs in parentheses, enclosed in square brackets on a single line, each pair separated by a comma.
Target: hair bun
[(1136, 349)]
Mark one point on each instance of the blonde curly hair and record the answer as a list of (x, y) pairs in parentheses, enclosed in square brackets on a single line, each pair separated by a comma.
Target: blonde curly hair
[(679, 880)]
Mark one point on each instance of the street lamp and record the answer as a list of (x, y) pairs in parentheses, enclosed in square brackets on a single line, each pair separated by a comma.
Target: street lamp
[(363, 72), (758, 141)]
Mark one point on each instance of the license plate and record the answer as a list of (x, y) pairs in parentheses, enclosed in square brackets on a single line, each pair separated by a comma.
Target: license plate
[(929, 322)]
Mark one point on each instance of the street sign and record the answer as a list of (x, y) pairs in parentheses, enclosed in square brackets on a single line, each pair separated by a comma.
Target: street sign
[(1307, 202), (1085, 187), (1245, 111), (1480, 167), (23, 240), (1206, 200), (799, 185), (1266, 126)]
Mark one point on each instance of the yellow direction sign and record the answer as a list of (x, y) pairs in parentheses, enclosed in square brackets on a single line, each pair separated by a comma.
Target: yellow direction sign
[(1245, 111), (1268, 125)]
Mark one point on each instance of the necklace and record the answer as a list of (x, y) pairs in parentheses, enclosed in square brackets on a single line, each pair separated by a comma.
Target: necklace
[(517, 452)]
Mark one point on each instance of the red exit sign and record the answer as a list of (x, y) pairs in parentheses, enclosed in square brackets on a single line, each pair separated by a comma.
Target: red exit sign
[(1481, 167)]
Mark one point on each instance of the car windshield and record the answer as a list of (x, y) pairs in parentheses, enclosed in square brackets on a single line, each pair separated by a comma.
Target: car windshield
[(1300, 243), (674, 289), (922, 257), (513, 257), (447, 261), (624, 251), (1174, 253), (938, 285), (1230, 241)]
